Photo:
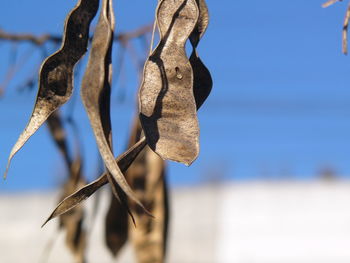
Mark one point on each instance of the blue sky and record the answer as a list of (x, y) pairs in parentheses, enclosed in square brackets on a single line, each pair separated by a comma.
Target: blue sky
[(280, 104)]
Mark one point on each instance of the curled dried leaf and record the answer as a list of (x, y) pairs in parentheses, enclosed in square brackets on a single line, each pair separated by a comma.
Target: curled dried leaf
[(166, 100), (116, 230), (96, 94), (56, 72), (71, 201)]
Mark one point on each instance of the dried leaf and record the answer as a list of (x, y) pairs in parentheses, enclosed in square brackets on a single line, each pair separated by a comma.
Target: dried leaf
[(71, 201), (96, 94), (56, 128), (150, 237), (116, 230), (76, 236), (116, 222), (167, 105), (147, 176), (72, 222), (202, 81), (56, 73)]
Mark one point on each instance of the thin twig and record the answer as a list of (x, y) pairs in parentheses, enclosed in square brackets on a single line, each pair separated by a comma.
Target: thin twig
[(37, 40), (41, 40)]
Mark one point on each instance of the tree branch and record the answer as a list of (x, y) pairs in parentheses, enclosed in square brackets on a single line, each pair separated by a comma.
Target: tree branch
[(41, 40)]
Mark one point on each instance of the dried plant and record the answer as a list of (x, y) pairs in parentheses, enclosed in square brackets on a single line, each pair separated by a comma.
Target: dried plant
[(147, 176), (345, 25), (167, 106), (71, 222), (172, 89)]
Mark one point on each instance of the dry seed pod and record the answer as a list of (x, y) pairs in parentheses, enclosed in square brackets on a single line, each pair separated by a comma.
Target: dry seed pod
[(56, 72), (71, 222), (55, 125), (147, 176), (116, 231), (116, 222), (202, 81), (167, 105), (95, 93), (150, 236), (71, 201)]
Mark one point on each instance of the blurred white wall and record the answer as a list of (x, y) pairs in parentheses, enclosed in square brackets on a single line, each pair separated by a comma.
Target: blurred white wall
[(270, 222)]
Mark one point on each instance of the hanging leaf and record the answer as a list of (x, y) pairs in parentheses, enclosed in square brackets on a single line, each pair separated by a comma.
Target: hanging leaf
[(56, 73), (58, 133), (71, 223), (116, 230), (147, 176), (202, 81), (71, 201), (150, 237), (167, 105), (116, 222), (95, 93)]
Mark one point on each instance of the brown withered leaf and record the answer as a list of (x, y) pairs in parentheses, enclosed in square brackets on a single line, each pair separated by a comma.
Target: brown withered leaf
[(56, 72), (147, 176), (116, 230), (105, 98), (150, 236), (116, 221), (71, 201), (202, 81), (72, 223), (58, 133), (167, 105), (95, 93), (116, 226)]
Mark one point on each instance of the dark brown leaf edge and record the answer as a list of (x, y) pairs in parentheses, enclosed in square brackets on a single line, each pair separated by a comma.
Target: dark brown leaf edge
[(166, 100), (202, 81), (124, 161), (56, 72)]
